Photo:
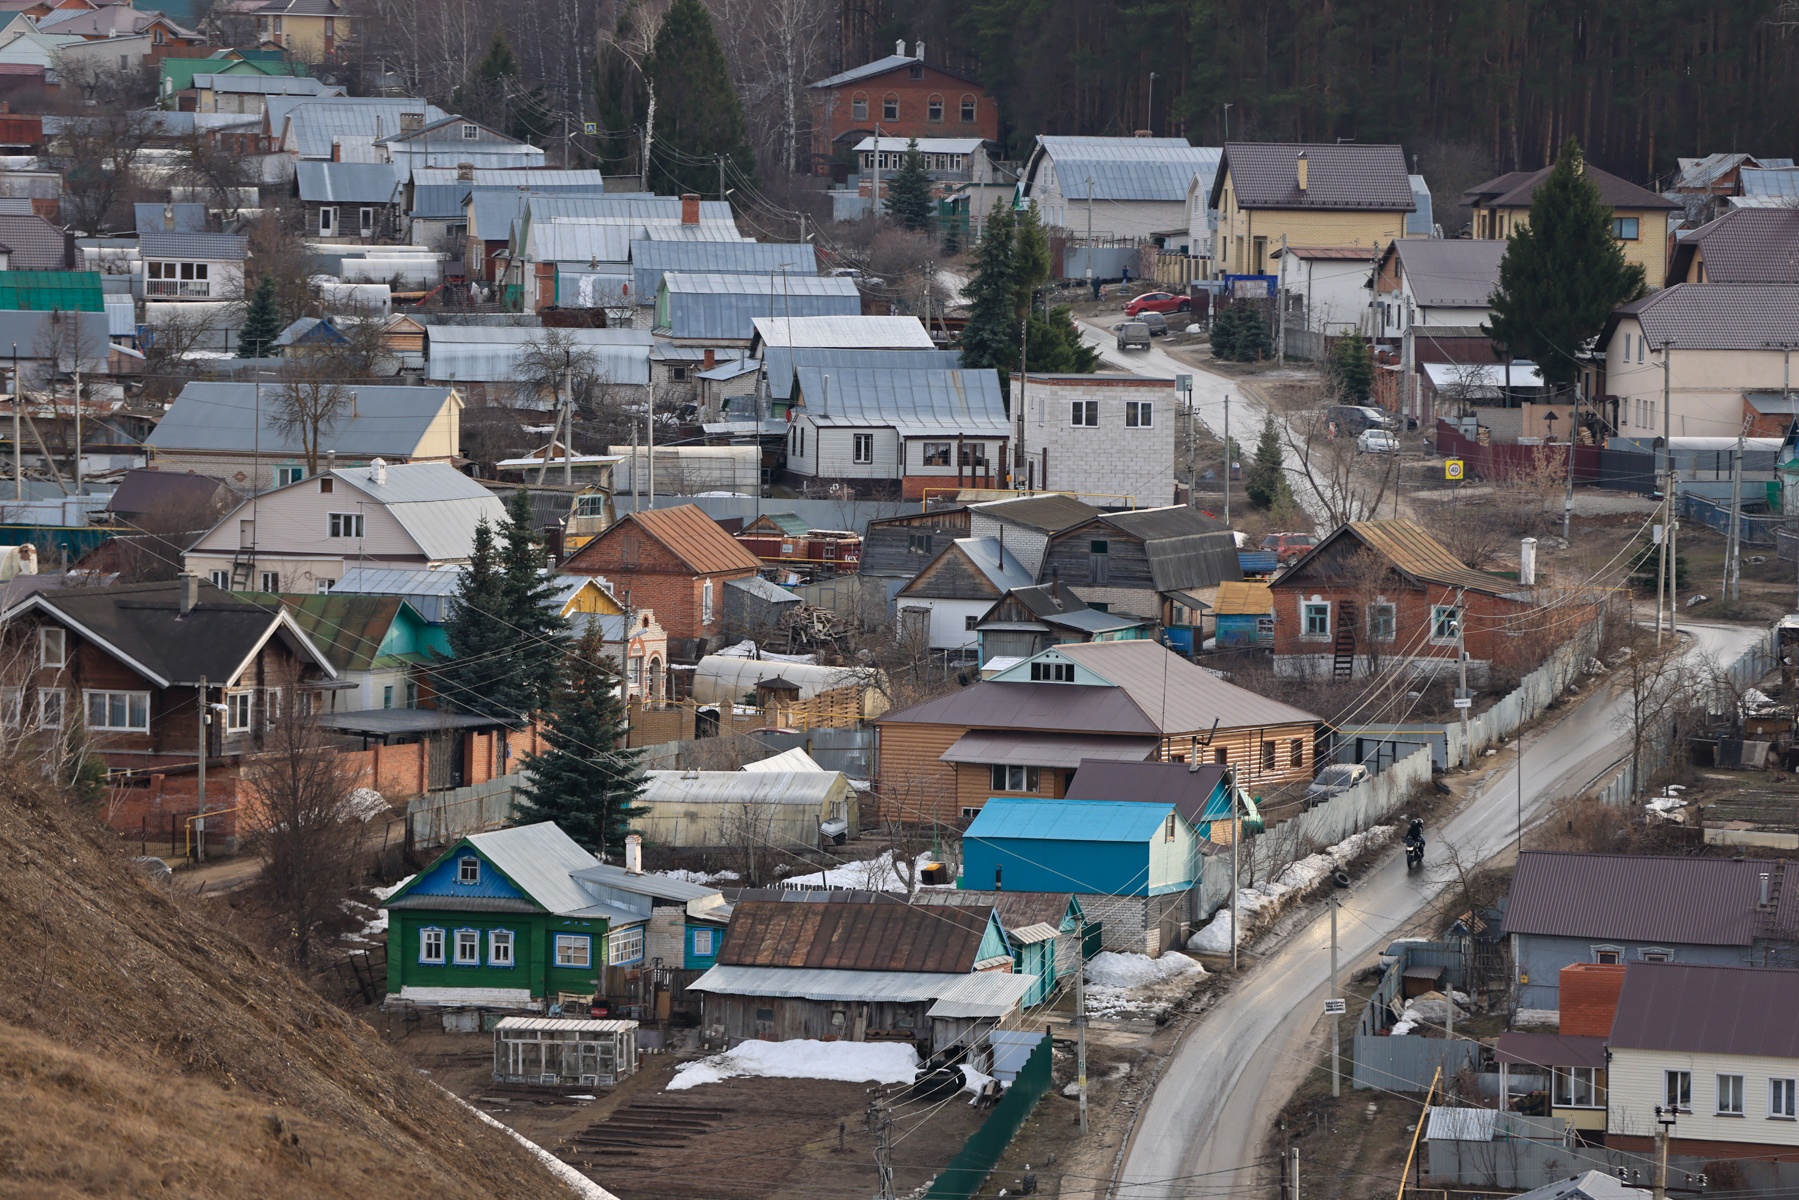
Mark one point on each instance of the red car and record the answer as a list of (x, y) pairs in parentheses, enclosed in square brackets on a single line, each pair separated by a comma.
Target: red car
[(1289, 547), (1157, 302)]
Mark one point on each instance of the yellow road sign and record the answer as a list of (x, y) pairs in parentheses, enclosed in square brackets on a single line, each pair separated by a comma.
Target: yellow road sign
[(1452, 468)]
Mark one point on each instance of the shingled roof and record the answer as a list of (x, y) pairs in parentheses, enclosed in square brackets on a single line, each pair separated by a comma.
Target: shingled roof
[(1347, 176), (1688, 1008), (1745, 245), (1515, 188), (1715, 316)]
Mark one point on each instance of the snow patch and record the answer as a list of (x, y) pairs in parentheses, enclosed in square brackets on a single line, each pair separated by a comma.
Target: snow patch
[(974, 1081), (376, 924), (847, 1062), (1121, 984), (879, 874), (1269, 895), (703, 878)]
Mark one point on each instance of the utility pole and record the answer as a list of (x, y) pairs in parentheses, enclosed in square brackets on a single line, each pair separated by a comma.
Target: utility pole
[(1568, 496), (1230, 781), (721, 175), (881, 1123), (1664, 1119), (1149, 118), (1462, 699), (1227, 447), (1664, 584), (568, 422), (876, 193), (1733, 547), (1408, 363), (1336, 1023), (77, 471), (1280, 312), (1091, 273), (1080, 1027), (200, 777), (18, 447), (650, 444), (1293, 1172)]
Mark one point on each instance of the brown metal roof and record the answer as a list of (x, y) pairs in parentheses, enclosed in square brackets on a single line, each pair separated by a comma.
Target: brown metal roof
[(1341, 176), (1515, 188), (1715, 316), (1692, 1009), (1153, 782), (1016, 909), (1046, 706), (1636, 898), (1745, 245), (696, 539), (1341, 253), (858, 937), (1550, 1050)]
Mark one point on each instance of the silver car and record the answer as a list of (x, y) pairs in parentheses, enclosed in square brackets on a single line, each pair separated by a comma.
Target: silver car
[(1333, 781), (1133, 333)]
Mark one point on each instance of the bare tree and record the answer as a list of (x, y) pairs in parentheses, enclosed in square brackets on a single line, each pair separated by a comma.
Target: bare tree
[(746, 830), (309, 403), (1656, 684), (99, 152), (1332, 467)]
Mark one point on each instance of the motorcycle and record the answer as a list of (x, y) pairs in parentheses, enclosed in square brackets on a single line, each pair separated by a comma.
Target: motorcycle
[(1414, 853)]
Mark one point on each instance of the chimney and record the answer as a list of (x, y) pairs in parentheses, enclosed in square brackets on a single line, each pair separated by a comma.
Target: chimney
[(190, 593), (337, 150), (690, 208), (1527, 562), (465, 172), (824, 406), (899, 47), (634, 854), (330, 461), (411, 122), (919, 52), (711, 359), (1766, 891), (168, 218), (1300, 170), (1589, 998), (378, 472)]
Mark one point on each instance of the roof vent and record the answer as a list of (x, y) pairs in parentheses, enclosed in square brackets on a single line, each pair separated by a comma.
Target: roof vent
[(378, 472), (1300, 170), (899, 47)]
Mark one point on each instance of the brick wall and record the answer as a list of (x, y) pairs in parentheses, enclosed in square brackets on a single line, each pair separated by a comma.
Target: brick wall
[(833, 109), (1487, 622), (1589, 998)]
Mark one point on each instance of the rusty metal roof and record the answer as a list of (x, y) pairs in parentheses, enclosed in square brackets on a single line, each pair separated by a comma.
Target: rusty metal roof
[(1692, 1009), (1656, 900), (694, 538), (858, 936), (1413, 552)]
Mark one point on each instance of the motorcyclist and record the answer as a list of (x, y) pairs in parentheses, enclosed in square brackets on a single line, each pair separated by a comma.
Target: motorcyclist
[(1414, 834)]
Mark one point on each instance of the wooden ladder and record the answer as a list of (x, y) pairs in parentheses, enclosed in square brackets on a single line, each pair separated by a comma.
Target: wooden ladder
[(1343, 648)]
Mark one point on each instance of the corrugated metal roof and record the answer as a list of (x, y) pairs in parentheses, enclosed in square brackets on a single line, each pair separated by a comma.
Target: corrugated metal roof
[(916, 403), (1650, 899), (348, 182), (693, 537), (1093, 620), (1421, 221), (1412, 552), (1704, 172), (1450, 272), (726, 306), (1129, 168), (30, 330), (660, 886), (1689, 1008), (1059, 749), (1015, 909), (213, 247), (1483, 379), (763, 590), (314, 122), (801, 983), (986, 994), (657, 210), (651, 259), (843, 332), (121, 316), (782, 361), (1460, 1124), (879, 66), (1050, 513), (1031, 934), (1780, 183), (393, 581), (537, 179), (1024, 818), (1188, 697), (435, 503), (1243, 599), (538, 858), (1048, 707), (1341, 176), (795, 759), (265, 85), (387, 421), (859, 937), (685, 283), (705, 231), (490, 354), (1190, 791), (990, 557), (1550, 1050), (576, 242), (807, 789), (188, 217), (561, 1025)]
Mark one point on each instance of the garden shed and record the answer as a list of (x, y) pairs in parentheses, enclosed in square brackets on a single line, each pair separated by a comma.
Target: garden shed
[(563, 1052)]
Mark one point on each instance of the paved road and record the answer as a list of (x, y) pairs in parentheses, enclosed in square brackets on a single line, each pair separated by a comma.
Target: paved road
[(1207, 1119)]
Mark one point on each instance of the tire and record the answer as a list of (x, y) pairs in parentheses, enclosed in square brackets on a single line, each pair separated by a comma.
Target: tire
[(1184, 306)]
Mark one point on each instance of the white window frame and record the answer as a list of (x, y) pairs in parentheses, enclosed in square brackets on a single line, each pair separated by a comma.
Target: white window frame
[(324, 585), (501, 944), (574, 951), (366, 220), (12, 707), (1084, 414), (1783, 1099), (468, 870), (1139, 414), (1563, 1090), (1307, 609), (129, 701), (1007, 773), (328, 225), (471, 132), (270, 581), (52, 708), (219, 578), (428, 935), (52, 646), (624, 946), (469, 939), (936, 454), (711, 943), (344, 525), (240, 711), (287, 475), (1728, 1095), (706, 603), (862, 448), (1677, 1089)]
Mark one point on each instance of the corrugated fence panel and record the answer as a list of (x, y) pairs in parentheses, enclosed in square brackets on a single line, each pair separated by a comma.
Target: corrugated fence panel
[(1407, 1064), (963, 1177), (441, 817)]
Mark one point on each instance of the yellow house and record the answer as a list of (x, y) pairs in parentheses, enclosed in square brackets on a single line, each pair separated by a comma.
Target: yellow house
[(589, 594), (1640, 218), (309, 30), (1313, 195)]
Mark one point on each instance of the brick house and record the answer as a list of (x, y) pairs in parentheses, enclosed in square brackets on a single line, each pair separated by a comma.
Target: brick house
[(1374, 595), (1098, 435), (676, 561), (903, 95)]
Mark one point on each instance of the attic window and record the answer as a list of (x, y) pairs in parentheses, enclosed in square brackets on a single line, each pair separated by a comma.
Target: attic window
[(470, 132), (1052, 672), (325, 483), (468, 870)]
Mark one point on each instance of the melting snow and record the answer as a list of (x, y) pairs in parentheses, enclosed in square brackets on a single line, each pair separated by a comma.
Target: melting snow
[(878, 874), (848, 1062), (1308, 872), (1124, 983), (703, 878)]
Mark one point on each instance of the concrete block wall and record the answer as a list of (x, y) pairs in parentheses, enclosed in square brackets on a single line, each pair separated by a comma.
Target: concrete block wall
[(1107, 460)]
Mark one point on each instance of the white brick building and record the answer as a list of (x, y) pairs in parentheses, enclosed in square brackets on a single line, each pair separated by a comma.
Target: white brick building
[(1108, 437)]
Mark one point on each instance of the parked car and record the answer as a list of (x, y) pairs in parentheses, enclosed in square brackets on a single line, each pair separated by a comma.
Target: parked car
[(1288, 546), (1158, 324), (1133, 333), (1352, 419), (1158, 302), (1332, 781), (1377, 441)]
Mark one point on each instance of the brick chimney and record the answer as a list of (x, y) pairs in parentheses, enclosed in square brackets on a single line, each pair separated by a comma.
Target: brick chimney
[(1589, 998), (711, 359), (1300, 170), (690, 208), (190, 593), (337, 150)]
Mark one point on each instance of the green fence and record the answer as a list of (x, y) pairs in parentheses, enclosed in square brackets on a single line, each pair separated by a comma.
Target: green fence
[(980, 1153), (1094, 940)]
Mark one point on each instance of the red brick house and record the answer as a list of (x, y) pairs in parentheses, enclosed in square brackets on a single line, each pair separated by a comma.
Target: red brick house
[(1380, 595), (904, 95), (674, 560)]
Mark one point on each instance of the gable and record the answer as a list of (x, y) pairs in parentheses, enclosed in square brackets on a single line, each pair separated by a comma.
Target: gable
[(951, 576), (1049, 666), (440, 879)]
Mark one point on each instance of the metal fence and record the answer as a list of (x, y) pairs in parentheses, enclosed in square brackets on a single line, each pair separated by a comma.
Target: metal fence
[(1407, 1064), (1755, 529), (968, 1170), (441, 817), (1530, 699)]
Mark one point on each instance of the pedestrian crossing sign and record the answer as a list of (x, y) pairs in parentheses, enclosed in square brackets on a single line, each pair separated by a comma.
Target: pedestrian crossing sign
[(1452, 468)]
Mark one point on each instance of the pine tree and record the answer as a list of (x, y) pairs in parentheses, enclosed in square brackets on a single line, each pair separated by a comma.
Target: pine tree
[(990, 338), (1030, 258), (479, 642), (527, 600), (908, 200), (1351, 369), (1225, 329), (698, 115), (262, 321), (587, 781), (1562, 274), (1265, 482), (1055, 345)]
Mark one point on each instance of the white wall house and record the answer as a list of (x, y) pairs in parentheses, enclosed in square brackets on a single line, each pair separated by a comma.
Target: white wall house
[(1138, 186), (1435, 283), (192, 266), (1107, 437), (944, 601), (1331, 283)]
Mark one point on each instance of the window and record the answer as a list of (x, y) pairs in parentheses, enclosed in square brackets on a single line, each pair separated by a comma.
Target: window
[(1677, 1089), (220, 579), (1627, 347), (468, 869), (1099, 562), (186, 279), (890, 108), (431, 945), (468, 948), (387, 696), (470, 132), (277, 25), (1624, 228), (49, 708), (574, 950), (968, 110), (325, 483), (591, 506), (324, 585), (706, 603), (936, 454), (1641, 344), (915, 71), (1168, 828), (499, 947), (1315, 619), (367, 221), (1221, 755), (1577, 1087), (412, 693), (271, 706), (1730, 1095), (240, 710), (703, 941), (287, 475), (1137, 414), (1657, 956), (327, 221), (934, 109), (1085, 414), (864, 447), (119, 710), (1296, 752), (1381, 622), (918, 543), (1445, 621), (344, 525), (1608, 958), (1014, 779), (270, 581), (52, 647), (1052, 672), (859, 108), (969, 623), (678, 374), (1782, 1094), (624, 946), (1269, 756), (12, 706)]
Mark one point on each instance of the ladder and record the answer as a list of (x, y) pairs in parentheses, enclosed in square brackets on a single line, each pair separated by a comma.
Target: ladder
[(1343, 647)]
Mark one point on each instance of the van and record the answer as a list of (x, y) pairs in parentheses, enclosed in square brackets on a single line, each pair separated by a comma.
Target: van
[(1352, 419), (1133, 333)]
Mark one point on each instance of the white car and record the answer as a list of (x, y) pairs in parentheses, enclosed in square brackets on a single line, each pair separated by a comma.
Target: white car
[(1377, 441)]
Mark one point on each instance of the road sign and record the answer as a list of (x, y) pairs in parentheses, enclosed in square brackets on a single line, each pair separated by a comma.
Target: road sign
[(1462, 702), (590, 128), (1183, 383), (1335, 1008), (1452, 468)]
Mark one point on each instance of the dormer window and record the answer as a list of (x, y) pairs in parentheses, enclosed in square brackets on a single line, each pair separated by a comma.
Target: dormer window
[(1052, 672), (468, 870)]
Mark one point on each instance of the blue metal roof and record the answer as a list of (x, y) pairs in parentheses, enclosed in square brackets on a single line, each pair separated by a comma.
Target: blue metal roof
[(783, 359), (726, 306), (916, 403), (651, 258), (1129, 168), (1068, 820)]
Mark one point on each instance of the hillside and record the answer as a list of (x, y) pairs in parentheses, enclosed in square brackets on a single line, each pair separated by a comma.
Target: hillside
[(145, 1053)]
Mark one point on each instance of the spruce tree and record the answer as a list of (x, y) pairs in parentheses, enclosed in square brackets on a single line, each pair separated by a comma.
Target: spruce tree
[(698, 115), (478, 638), (262, 321), (1030, 258), (908, 200), (1351, 369), (1055, 345), (990, 339), (1562, 274), (1265, 482), (587, 781), (527, 604), (1225, 329)]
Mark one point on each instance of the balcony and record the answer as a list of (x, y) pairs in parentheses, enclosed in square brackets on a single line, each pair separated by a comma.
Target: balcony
[(178, 289)]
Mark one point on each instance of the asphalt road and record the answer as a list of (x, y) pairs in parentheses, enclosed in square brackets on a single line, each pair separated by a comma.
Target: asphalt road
[(1206, 1121)]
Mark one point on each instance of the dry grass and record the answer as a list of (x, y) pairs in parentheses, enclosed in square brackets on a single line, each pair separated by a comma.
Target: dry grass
[(146, 1052)]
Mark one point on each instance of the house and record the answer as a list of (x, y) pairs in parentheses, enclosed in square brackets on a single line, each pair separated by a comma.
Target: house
[(484, 359), (349, 201), (1615, 908), (1029, 619), (1641, 219), (310, 31), (1200, 792), (1574, 1056), (1342, 195), (115, 21), (341, 128), (1119, 187), (302, 537), (1744, 245), (1026, 523), (949, 163), (34, 244), (1046, 930), (1722, 340), (899, 95), (221, 429), (247, 93), (677, 560), (780, 365), (777, 811), (143, 495), (1429, 283), (941, 607), (1098, 435), (435, 196), (1025, 731), (1766, 187), (1383, 595), (651, 260), (1161, 563), (898, 432), (940, 977), (637, 644), (1243, 615), (379, 646), (1330, 284), (192, 266), (1721, 1044), (452, 141), (1132, 865), (794, 332), (709, 309), (894, 549), (685, 921)]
